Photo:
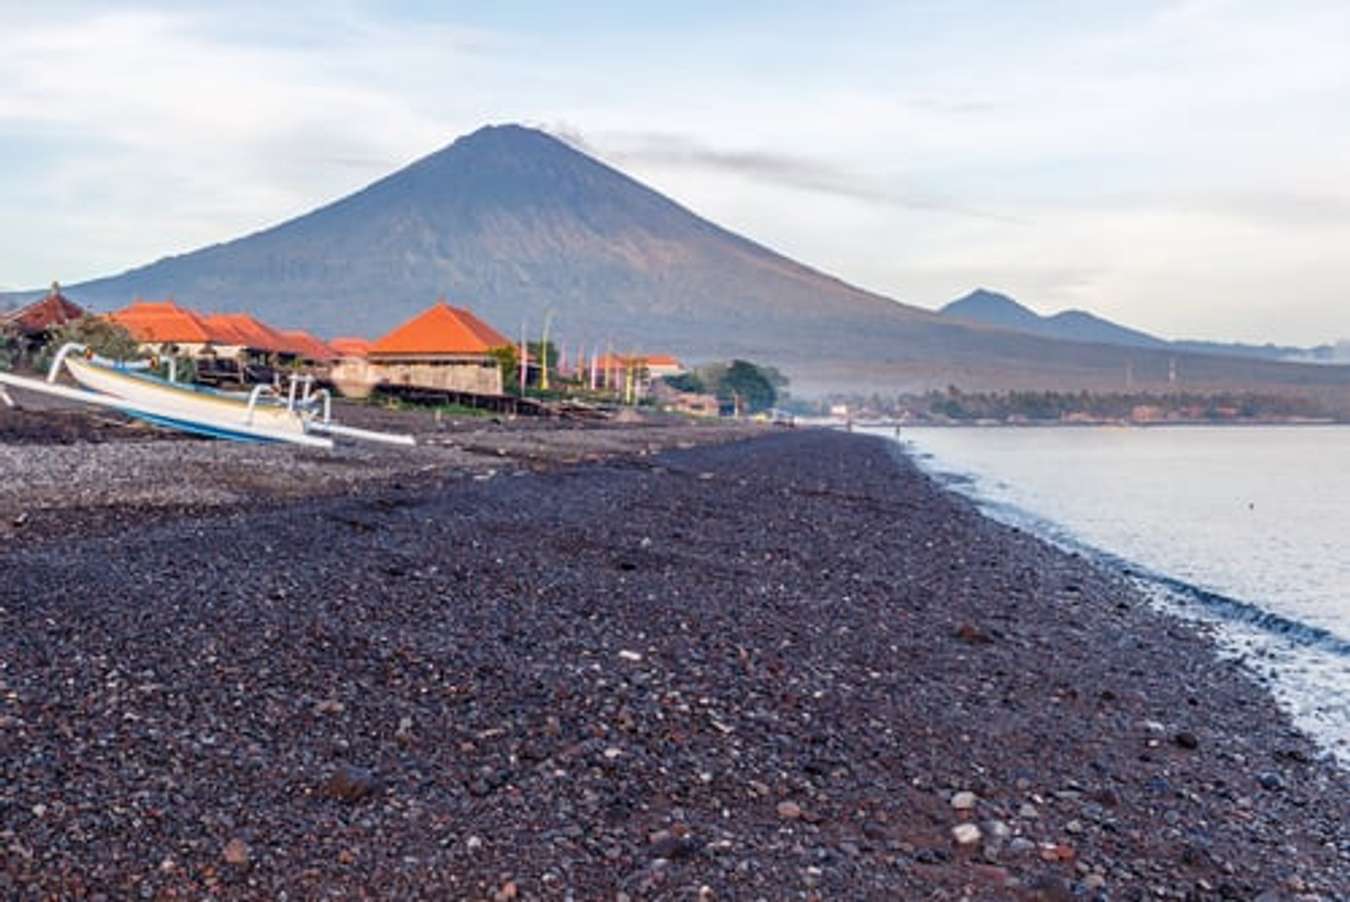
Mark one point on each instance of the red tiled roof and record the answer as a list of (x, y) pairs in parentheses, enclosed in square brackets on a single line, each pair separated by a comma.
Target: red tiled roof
[(162, 321), (661, 360), (165, 321), (259, 334), (224, 331), (441, 329), (45, 314), (309, 347), (350, 347)]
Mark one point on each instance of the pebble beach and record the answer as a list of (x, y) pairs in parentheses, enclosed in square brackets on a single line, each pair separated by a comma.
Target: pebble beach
[(606, 663)]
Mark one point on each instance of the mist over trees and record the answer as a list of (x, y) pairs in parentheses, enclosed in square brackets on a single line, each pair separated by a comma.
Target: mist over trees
[(753, 388), (957, 406)]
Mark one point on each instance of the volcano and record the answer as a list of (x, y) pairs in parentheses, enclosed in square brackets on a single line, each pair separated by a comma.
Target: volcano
[(513, 223)]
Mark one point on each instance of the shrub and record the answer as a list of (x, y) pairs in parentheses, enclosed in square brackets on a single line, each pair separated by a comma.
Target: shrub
[(102, 336), (9, 351)]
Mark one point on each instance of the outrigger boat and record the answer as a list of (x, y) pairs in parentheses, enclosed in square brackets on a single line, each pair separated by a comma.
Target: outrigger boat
[(300, 416)]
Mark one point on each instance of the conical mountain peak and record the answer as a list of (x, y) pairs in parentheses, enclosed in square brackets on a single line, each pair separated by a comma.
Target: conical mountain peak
[(514, 222), (515, 225)]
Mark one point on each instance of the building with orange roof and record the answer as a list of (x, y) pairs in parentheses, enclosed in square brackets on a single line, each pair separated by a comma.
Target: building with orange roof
[(440, 331), (228, 338), (612, 370), (348, 346), (308, 348), (696, 404), (228, 347), (245, 349), (35, 324), (659, 365), (443, 347), (240, 331), (164, 327), (41, 317), (231, 356)]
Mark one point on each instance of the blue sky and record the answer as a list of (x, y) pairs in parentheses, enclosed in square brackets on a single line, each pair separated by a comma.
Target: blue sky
[(1179, 166)]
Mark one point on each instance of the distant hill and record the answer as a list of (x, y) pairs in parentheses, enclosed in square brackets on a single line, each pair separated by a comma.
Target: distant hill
[(995, 309), (512, 223)]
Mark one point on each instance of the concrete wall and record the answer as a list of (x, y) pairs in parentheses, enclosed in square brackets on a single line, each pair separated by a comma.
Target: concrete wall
[(357, 378)]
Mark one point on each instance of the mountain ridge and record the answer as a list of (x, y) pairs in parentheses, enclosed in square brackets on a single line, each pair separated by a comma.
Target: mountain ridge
[(513, 223), (994, 308)]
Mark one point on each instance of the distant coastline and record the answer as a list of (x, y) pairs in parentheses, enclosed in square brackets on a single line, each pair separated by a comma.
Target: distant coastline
[(846, 424), (955, 407), (1084, 423)]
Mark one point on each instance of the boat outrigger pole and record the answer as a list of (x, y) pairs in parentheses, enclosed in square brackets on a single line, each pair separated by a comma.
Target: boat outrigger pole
[(263, 415)]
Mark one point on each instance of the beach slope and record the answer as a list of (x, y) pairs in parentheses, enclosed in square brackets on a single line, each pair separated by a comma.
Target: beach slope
[(784, 667)]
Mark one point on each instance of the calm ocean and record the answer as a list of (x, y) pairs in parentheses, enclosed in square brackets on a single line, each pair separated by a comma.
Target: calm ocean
[(1245, 528)]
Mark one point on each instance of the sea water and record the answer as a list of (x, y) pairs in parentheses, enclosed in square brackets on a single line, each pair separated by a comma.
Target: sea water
[(1244, 528)]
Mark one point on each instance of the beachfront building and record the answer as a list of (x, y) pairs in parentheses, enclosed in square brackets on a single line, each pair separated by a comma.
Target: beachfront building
[(350, 373), (34, 324), (246, 337), (444, 348), (162, 327), (348, 346), (234, 355), (226, 347), (694, 404), (309, 350), (243, 342), (659, 366), (233, 344), (636, 371)]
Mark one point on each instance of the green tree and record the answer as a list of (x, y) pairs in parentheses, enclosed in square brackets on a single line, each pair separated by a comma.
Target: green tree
[(776, 379), (688, 382), (509, 363), (748, 385), (99, 334), (9, 351)]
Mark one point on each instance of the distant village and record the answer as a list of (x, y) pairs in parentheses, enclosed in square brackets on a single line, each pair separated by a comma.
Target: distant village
[(444, 355)]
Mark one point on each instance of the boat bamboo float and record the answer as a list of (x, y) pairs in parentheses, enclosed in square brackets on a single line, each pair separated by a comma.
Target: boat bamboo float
[(300, 416)]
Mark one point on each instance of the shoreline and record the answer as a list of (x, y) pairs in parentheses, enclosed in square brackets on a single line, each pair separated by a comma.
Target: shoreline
[(1296, 655), (1088, 424), (766, 667)]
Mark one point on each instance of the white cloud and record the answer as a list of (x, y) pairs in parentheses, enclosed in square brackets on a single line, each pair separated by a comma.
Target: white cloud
[(172, 138), (1179, 166)]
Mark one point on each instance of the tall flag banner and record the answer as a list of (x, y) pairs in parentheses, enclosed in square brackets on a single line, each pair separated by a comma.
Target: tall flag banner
[(630, 378), (595, 368), (524, 360), (543, 352)]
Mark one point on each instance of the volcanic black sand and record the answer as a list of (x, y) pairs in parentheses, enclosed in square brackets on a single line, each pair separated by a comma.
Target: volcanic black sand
[(777, 668)]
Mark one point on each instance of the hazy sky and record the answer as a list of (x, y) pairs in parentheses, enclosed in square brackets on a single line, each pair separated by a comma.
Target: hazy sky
[(1183, 167)]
